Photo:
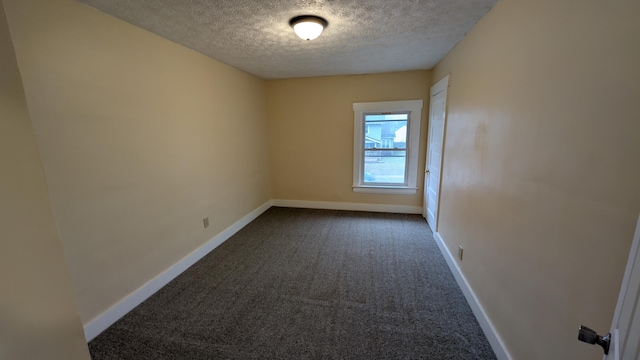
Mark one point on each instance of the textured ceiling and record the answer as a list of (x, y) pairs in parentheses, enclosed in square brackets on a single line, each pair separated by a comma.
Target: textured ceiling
[(363, 36)]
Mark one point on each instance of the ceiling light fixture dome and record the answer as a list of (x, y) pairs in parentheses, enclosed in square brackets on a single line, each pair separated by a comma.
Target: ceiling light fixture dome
[(308, 27)]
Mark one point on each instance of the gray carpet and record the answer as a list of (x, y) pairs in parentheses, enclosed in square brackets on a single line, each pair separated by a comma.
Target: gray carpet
[(308, 284)]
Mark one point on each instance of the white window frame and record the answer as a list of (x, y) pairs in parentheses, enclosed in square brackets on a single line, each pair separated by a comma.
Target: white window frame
[(414, 108)]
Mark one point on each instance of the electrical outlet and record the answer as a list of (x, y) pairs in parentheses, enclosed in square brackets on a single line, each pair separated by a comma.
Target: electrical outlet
[(460, 251), (205, 221)]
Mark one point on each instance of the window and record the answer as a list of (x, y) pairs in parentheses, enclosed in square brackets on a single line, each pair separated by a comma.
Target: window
[(386, 143)]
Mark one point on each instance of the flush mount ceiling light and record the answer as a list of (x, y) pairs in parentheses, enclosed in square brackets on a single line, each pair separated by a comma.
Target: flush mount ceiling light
[(308, 27)]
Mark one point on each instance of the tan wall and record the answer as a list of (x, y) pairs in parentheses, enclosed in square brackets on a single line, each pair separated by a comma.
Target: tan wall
[(38, 315), (542, 166), (311, 133), (140, 139)]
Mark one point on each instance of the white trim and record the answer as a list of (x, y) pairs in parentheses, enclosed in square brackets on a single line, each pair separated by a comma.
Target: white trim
[(485, 323), (100, 323), (626, 300), (440, 86), (402, 209), (385, 190), (414, 109), (634, 253)]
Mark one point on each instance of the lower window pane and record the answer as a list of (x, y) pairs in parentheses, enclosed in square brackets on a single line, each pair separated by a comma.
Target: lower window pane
[(384, 167)]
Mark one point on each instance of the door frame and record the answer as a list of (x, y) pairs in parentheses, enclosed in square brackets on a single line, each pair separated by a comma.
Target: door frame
[(629, 292)]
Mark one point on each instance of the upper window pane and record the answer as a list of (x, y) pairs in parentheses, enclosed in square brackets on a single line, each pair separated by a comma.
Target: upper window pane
[(385, 131)]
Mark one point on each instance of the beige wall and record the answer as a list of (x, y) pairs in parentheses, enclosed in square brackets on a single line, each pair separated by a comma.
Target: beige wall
[(311, 133), (140, 139), (38, 315), (542, 166)]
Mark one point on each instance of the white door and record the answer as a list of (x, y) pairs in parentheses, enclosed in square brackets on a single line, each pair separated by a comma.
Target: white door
[(625, 328), (433, 167)]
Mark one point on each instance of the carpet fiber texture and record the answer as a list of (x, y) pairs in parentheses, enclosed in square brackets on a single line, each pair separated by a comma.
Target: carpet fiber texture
[(308, 284)]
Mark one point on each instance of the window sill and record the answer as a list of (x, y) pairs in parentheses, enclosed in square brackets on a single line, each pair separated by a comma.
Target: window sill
[(396, 190)]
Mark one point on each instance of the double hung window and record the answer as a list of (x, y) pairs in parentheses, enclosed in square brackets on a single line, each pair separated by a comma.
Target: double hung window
[(386, 142)]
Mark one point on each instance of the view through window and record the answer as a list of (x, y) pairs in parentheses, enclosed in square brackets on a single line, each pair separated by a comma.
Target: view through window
[(385, 148)]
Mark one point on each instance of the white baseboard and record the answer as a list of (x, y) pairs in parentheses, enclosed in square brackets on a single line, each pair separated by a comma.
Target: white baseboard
[(97, 325), (403, 209), (489, 331)]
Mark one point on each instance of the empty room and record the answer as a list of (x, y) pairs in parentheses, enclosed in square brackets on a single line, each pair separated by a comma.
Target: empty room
[(422, 179)]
